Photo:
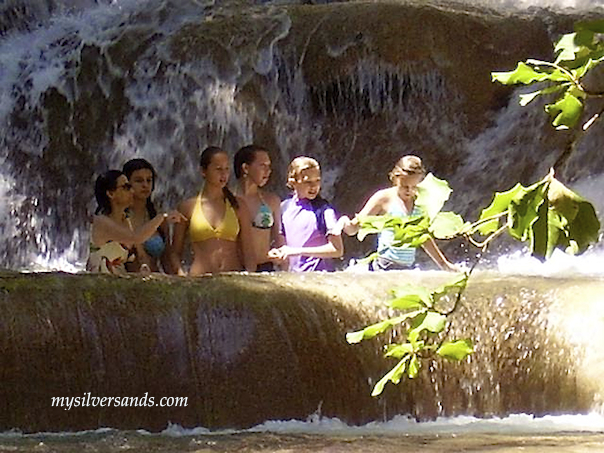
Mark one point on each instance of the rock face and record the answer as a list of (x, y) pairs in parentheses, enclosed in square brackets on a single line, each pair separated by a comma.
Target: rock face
[(356, 85), (248, 348)]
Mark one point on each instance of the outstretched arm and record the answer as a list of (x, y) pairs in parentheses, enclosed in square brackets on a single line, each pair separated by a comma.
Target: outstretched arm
[(374, 206), (438, 257)]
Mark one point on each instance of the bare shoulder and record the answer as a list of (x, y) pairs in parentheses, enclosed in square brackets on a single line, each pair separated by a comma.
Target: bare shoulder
[(186, 207), (243, 212), (377, 202), (272, 200)]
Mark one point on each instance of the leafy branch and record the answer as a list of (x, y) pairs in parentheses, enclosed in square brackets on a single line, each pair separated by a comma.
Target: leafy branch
[(577, 54), (546, 215)]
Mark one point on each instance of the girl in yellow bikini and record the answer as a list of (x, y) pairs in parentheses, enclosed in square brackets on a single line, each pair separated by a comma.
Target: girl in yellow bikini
[(252, 170), (218, 223)]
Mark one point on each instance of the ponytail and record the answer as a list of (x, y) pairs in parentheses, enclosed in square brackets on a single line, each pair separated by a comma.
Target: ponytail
[(231, 197)]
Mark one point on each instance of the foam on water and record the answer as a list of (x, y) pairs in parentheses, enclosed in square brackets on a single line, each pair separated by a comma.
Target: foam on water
[(513, 425)]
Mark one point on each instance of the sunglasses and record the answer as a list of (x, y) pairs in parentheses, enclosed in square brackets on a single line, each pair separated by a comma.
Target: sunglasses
[(126, 186)]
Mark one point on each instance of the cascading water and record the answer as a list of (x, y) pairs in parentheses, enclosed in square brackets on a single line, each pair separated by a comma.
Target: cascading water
[(85, 88), (86, 85)]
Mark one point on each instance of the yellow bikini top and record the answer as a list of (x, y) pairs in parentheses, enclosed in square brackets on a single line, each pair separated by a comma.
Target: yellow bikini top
[(201, 230)]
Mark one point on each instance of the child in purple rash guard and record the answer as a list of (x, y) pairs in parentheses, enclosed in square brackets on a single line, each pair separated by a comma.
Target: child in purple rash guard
[(312, 234)]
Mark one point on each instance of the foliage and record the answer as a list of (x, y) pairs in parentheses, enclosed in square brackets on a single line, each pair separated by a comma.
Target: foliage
[(577, 54), (545, 215)]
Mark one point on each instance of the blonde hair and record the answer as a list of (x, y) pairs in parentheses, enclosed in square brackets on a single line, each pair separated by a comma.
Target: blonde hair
[(407, 166), (297, 166)]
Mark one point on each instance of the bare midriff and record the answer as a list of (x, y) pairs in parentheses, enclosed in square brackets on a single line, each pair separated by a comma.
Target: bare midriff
[(215, 255), (261, 239)]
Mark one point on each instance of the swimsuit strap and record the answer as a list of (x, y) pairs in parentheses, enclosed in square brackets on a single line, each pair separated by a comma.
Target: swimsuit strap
[(264, 218), (200, 229)]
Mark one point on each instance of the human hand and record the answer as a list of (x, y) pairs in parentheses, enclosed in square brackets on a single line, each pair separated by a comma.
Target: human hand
[(282, 253), (174, 216), (341, 225)]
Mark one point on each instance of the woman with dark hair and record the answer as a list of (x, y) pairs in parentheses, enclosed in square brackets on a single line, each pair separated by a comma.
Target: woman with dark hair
[(152, 252), (218, 223), (112, 236), (252, 170)]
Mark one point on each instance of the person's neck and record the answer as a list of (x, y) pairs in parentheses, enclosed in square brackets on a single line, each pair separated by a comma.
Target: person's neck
[(212, 192), (409, 203), (247, 187), (138, 208), (118, 213)]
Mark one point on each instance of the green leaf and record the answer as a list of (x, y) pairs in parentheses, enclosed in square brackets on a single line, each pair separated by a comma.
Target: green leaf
[(528, 97), (571, 44), (459, 284), (413, 368), (566, 111), (380, 327), (595, 26), (587, 66), (432, 193), (522, 74), (430, 321), (394, 376), (500, 204), (411, 231), (582, 226), (446, 225), (398, 350), (456, 350), (524, 209), (410, 296)]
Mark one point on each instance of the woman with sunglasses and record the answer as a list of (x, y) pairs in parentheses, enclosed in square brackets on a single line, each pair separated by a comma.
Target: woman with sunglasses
[(112, 237)]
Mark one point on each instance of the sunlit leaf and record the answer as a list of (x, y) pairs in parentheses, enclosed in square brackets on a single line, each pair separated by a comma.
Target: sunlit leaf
[(524, 209), (398, 350), (566, 111), (413, 368), (394, 376), (571, 44), (446, 225), (410, 296), (459, 284), (456, 350), (528, 97), (380, 327), (430, 321), (500, 204), (522, 74), (583, 226), (432, 193)]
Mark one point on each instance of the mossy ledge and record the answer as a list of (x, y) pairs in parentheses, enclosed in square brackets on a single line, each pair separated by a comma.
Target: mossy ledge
[(248, 348)]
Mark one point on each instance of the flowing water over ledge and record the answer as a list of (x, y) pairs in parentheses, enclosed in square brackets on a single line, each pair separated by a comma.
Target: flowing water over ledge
[(246, 349)]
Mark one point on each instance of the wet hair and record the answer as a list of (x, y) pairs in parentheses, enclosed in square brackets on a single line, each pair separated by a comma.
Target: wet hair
[(204, 161), (141, 164), (407, 166), (297, 166), (318, 204), (106, 182), (245, 155)]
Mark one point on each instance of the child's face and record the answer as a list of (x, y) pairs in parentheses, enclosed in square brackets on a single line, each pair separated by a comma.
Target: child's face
[(308, 184), (218, 171), (260, 168), (407, 186)]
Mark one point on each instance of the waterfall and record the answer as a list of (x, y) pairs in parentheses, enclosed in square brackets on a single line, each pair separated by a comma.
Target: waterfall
[(245, 349), (85, 86)]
